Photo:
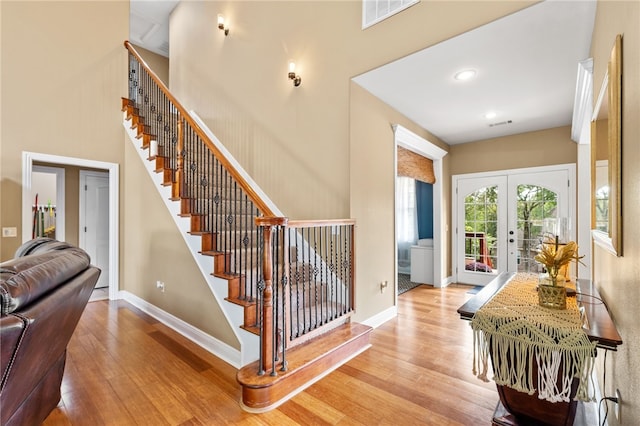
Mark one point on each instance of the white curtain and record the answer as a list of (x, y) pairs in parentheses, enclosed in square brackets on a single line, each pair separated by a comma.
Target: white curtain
[(407, 220)]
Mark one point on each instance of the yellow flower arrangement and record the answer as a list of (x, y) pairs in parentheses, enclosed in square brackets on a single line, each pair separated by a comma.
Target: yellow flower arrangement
[(554, 256)]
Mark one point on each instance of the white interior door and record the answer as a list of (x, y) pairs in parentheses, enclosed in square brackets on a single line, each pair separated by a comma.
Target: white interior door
[(500, 217), (94, 221)]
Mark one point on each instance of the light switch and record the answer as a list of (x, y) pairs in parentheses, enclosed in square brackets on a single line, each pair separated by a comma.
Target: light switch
[(9, 232)]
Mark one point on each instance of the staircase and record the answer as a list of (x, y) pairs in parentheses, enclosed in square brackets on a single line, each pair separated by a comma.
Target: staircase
[(292, 280)]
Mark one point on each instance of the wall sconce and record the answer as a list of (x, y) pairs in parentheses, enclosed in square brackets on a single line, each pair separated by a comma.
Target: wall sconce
[(292, 74), (221, 25)]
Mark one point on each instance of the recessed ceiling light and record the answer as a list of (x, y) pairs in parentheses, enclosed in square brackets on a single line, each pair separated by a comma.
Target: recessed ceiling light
[(490, 115), (464, 75)]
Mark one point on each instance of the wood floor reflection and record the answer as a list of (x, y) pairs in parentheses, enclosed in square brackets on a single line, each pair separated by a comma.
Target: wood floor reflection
[(125, 368)]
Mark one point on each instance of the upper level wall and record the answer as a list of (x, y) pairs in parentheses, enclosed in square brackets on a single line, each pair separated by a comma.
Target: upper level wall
[(301, 144), (532, 149), (239, 84), (158, 63)]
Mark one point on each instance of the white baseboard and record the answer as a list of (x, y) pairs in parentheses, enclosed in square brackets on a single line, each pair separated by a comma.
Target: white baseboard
[(207, 342), (445, 282), (382, 317)]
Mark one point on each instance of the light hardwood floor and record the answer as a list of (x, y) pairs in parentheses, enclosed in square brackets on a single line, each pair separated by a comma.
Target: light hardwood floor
[(125, 368)]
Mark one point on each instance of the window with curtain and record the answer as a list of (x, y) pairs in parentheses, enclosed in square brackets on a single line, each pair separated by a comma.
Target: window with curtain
[(407, 220)]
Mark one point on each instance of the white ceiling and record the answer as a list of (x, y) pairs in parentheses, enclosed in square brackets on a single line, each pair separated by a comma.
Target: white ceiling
[(149, 24), (526, 67)]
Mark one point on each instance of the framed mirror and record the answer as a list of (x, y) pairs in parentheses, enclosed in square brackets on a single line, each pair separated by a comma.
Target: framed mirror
[(606, 150)]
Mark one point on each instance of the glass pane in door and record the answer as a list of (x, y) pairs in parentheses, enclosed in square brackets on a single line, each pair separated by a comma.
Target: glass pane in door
[(481, 227), (534, 205)]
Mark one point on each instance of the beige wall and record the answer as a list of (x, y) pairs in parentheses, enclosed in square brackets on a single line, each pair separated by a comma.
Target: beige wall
[(302, 144), (618, 278), (64, 69), (158, 63), (541, 148), (62, 78)]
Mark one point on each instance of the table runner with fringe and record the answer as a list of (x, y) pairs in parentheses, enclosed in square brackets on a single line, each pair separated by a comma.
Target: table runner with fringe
[(513, 327)]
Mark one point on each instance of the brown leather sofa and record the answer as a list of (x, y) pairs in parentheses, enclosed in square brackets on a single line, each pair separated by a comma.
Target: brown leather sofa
[(43, 292)]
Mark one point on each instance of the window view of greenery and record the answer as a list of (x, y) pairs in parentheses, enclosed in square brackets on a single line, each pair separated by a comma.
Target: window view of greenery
[(481, 228), (602, 208), (602, 196), (534, 204)]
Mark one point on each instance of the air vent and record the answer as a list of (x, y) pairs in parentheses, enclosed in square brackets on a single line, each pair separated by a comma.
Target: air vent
[(374, 11), (500, 123), (164, 47)]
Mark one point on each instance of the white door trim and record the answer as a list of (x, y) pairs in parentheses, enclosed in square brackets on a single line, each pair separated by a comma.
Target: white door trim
[(409, 140), (28, 158)]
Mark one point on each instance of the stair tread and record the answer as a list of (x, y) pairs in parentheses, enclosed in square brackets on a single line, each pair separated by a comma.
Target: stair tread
[(240, 302), (303, 355)]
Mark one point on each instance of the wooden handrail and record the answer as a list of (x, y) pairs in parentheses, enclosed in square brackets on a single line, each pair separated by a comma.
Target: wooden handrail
[(318, 223), (251, 193)]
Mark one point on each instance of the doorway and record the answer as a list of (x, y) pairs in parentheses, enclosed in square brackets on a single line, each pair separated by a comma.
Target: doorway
[(112, 169), (412, 142), (499, 219)]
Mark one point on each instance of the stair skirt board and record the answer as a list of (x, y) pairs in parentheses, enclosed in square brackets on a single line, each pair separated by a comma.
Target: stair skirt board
[(249, 342)]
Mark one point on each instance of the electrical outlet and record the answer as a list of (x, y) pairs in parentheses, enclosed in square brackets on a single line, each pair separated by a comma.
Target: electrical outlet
[(617, 406), (160, 286)]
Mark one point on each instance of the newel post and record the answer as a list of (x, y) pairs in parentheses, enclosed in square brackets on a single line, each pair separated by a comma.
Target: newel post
[(267, 328)]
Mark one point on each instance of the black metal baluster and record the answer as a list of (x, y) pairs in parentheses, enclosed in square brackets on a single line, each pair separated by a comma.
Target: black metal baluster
[(277, 313), (342, 267), (285, 281), (335, 297), (300, 287), (236, 252), (229, 223)]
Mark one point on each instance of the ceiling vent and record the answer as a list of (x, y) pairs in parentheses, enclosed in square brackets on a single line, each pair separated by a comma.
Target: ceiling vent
[(374, 11), (500, 123), (164, 47)]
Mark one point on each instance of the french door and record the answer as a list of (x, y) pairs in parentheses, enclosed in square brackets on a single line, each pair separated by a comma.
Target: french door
[(499, 219)]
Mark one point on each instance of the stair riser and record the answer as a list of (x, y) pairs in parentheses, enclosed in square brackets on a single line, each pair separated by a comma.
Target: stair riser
[(202, 223), (190, 205)]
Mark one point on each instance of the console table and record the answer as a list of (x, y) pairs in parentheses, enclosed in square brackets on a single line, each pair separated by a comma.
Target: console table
[(518, 408)]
